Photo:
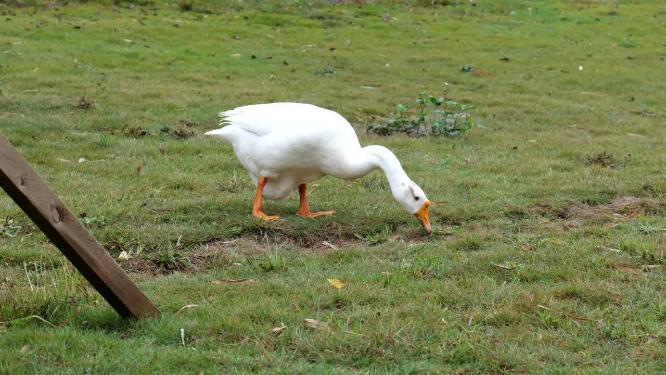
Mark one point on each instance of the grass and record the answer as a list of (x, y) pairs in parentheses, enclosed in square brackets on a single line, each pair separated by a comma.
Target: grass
[(548, 250)]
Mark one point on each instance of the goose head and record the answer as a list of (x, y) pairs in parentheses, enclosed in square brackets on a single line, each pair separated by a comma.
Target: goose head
[(412, 198)]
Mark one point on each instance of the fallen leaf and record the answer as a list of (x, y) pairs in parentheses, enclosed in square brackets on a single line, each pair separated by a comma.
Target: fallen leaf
[(123, 256), (337, 283), (278, 330), (82, 160), (232, 281), (315, 324), (608, 248)]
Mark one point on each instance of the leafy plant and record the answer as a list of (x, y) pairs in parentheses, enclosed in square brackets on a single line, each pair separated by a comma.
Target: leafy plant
[(10, 228), (433, 116)]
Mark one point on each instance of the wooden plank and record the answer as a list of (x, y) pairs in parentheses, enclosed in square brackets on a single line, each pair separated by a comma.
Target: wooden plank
[(44, 207)]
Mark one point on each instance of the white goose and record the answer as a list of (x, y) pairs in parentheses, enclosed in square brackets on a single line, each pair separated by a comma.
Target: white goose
[(284, 146)]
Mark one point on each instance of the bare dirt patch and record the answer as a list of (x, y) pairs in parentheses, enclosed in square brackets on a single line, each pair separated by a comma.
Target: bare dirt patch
[(250, 245), (626, 206), (140, 265), (216, 253), (575, 214), (620, 207), (148, 264)]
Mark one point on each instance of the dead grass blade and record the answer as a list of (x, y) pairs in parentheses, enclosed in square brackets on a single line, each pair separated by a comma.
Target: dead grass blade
[(316, 325), (569, 316), (329, 245), (31, 317), (354, 333), (503, 266), (233, 281), (185, 308)]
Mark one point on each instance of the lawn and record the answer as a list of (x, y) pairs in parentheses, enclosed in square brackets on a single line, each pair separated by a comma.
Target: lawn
[(547, 254)]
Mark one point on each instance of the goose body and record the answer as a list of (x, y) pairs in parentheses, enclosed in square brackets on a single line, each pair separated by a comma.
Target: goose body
[(284, 146)]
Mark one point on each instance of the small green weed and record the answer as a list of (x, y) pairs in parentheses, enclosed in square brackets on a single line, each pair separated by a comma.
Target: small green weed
[(93, 221), (170, 259), (433, 115), (272, 262)]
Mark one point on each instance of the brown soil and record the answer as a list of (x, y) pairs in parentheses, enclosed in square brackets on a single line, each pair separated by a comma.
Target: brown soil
[(620, 207)]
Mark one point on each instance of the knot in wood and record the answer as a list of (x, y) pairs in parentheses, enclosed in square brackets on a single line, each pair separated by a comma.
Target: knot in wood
[(56, 213)]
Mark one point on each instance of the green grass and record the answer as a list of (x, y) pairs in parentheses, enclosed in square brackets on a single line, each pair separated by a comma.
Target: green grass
[(549, 233)]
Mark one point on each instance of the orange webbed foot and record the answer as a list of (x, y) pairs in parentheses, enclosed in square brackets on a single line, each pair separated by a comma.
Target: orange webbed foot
[(261, 215), (312, 215)]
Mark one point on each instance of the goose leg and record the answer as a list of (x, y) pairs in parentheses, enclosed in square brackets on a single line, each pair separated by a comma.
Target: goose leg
[(256, 205), (304, 210)]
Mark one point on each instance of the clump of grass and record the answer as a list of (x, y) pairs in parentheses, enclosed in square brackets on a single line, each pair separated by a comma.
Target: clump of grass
[(85, 104), (40, 288), (182, 130), (432, 116), (134, 132), (170, 259), (185, 5), (468, 244), (605, 160)]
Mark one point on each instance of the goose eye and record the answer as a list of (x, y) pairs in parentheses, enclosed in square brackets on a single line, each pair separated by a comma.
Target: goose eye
[(416, 198)]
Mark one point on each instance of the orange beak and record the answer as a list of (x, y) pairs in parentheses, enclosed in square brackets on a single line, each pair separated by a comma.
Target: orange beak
[(424, 218)]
